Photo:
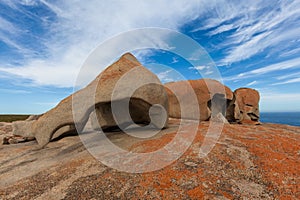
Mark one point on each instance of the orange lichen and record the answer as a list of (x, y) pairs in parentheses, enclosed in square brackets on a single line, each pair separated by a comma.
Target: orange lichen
[(196, 193)]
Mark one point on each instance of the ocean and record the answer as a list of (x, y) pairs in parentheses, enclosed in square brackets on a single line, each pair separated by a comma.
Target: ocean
[(290, 118)]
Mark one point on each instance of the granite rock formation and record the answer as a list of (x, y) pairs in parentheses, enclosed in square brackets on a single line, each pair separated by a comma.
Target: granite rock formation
[(247, 100), (212, 97), (100, 93), (240, 166)]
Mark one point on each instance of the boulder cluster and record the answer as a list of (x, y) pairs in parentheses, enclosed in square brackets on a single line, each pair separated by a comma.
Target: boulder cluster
[(126, 94), (216, 102)]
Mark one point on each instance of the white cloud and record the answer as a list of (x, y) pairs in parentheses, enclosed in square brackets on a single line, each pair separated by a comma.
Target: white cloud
[(28, 2), (288, 76), (294, 80), (8, 27), (289, 64), (251, 83), (290, 52), (294, 63), (14, 91), (221, 29), (165, 76), (201, 67), (208, 72), (247, 49), (254, 32), (81, 26), (44, 73), (9, 33), (174, 60), (197, 55)]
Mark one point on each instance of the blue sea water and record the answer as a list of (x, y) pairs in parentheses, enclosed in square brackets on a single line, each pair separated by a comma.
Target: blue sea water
[(290, 118)]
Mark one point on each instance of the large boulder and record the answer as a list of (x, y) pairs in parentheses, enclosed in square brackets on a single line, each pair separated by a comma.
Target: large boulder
[(115, 85), (212, 97), (247, 100), (124, 86)]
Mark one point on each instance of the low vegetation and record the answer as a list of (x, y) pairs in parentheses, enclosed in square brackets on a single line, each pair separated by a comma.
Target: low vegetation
[(11, 118)]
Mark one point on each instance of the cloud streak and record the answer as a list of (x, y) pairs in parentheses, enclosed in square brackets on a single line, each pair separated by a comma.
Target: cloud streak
[(254, 26), (281, 66), (78, 27), (72, 29)]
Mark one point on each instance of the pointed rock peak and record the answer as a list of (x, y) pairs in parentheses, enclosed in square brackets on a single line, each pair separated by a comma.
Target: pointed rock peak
[(129, 56)]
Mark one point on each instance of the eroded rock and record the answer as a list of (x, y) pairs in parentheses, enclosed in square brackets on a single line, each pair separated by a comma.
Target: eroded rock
[(5, 127), (212, 97), (13, 139), (33, 117), (126, 73), (248, 101)]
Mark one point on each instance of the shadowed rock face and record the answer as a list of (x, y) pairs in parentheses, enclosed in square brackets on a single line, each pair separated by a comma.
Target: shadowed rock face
[(102, 117), (248, 101), (112, 85), (233, 111), (212, 98)]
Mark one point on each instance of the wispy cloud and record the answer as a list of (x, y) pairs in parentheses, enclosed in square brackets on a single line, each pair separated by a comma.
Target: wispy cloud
[(294, 63), (255, 26), (205, 70), (221, 29), (175, 60), (8, 27), (79, 27), (288, 76), (285, 65), (165, 76), (76, 28), (294, 80), (251, 83), (201, 67), (14, 91)]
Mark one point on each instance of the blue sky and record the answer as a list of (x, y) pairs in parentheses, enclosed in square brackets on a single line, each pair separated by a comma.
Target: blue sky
[(44, 43)]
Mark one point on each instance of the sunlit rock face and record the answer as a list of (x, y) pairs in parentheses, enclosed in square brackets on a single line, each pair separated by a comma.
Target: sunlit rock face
[(130, 94), (248, 102), (125, 81), (216, 102), (212, 98)]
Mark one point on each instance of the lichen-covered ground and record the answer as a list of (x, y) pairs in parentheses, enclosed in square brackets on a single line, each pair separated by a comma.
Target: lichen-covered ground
[(248, 162)]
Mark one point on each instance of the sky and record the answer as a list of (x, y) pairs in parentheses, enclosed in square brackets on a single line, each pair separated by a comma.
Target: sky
[(43, 45)]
